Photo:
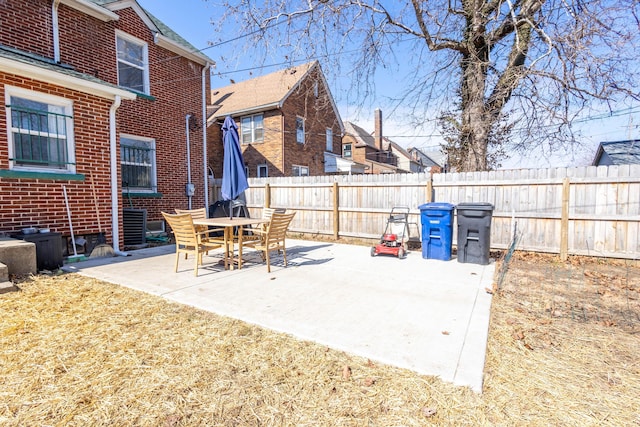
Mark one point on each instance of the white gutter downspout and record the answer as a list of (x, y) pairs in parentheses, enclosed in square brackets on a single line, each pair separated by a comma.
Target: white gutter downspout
[(115, 231), (204, 137), (188, 158), (56, 30)]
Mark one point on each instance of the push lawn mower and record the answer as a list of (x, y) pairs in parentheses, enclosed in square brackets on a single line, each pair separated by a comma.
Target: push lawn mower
[(396, 234)]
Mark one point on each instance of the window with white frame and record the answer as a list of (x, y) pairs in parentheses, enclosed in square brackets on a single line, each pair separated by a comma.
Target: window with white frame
[(138, 162), (133, 63), (346, 150), (252, 129), (329, 139), (263, 171), (300, 170), (300, 130), (39, 131)]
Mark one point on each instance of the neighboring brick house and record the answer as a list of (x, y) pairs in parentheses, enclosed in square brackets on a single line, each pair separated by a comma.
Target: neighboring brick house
[(97, 90), (430, 161), (372, 149), (287, 120)]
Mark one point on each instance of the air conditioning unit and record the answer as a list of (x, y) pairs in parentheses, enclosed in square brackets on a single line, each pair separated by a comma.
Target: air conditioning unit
[(134, 222)]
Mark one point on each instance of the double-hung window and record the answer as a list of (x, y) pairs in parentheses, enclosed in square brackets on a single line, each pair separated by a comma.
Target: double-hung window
[(40, 131), (300, 130), (329, 139), (252, 129), (300, 170), (346, 150), (138, 161), (133, 63)]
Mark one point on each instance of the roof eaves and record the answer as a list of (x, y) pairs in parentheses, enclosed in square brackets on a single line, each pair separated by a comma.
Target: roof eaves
[(248, 110), (165, 37), (28, 65), (92, 8)]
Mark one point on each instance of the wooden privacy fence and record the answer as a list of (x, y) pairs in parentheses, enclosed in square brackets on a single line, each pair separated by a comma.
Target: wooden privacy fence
[(569, 211)]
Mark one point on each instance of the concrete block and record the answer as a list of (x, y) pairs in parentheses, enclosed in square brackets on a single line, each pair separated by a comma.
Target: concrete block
[(19, 256), (4, 273)]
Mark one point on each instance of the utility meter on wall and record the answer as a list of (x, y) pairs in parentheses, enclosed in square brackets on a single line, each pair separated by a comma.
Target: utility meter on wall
[(190, 189)]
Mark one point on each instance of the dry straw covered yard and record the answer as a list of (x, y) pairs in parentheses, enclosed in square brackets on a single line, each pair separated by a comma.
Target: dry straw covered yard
[(78, 352)]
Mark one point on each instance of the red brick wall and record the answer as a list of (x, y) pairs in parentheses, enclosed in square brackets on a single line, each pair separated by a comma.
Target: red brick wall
[(318, 114), (89, 45), (40, 202), (26, 25)]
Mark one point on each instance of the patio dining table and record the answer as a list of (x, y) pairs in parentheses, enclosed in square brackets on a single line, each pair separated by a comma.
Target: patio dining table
[(229, 224)]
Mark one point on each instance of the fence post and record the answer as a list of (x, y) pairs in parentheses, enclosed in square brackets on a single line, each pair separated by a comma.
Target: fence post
[(267, 195), (336, 212), (564, 221), (430, 189)]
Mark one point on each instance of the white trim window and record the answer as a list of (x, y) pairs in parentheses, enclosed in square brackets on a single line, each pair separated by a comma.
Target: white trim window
[(138, 162), (39, 131), (133, 63), (346, 150), (329, 139), (263, 171), (252, 129), (300, 130), (300, 170)]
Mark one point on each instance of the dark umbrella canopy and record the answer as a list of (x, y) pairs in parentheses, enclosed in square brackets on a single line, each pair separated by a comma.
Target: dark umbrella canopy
[(234, 177)]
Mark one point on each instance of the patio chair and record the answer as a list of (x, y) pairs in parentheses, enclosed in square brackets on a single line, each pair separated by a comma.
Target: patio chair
[(207, 235), (273, 236), (188, 240)]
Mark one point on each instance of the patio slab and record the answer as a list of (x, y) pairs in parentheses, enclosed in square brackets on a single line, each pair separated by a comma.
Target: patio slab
[(426, 315)]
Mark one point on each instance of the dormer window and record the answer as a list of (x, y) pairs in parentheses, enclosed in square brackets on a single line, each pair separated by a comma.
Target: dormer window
[(133, 63)]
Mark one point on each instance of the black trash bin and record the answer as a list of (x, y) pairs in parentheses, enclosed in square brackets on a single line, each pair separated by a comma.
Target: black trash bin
[(48, 249), (474, 232), (437, 230)]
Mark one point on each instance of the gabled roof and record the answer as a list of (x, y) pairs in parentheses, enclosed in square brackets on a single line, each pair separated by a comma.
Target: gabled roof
[(619, 152), (165, 36), (430, 158), (26, 64), (392, 146), (362, 137), (263, 93)]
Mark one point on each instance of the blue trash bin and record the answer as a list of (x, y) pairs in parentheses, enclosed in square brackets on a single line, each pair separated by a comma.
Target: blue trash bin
[(437, 230)]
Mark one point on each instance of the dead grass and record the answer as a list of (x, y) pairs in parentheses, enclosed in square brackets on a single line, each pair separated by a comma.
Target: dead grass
[(77, 352)]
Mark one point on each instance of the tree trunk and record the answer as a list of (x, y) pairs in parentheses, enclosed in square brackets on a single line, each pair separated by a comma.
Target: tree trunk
[(476, 123)]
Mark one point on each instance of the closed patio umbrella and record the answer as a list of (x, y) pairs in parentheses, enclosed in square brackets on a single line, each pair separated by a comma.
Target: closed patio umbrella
[(234, 177)]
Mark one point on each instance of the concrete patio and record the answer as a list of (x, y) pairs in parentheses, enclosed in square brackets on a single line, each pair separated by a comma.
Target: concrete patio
[(429, 316)]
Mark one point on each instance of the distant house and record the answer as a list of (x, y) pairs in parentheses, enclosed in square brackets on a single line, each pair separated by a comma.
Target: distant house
[(618, 153), (288, 123), (97, 94), (378, 153), (430, 161)]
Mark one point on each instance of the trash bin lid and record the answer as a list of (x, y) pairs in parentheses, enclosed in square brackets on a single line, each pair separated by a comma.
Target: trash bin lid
[(479, 206), (437, 206)]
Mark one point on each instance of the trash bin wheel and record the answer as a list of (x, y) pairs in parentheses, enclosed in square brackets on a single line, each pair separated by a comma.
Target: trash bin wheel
[(373, 251)]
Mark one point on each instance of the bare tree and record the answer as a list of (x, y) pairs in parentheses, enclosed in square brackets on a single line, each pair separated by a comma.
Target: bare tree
[(537, 63)]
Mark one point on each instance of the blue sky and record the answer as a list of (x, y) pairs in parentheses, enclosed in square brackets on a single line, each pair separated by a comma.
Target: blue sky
[(192, 20)]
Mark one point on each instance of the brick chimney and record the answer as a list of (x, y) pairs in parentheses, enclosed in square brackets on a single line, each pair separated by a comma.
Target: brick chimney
[(378, 130)]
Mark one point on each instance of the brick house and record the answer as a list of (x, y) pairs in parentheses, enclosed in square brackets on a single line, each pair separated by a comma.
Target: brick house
[(377, 153), (288, 123), (102, 91)]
